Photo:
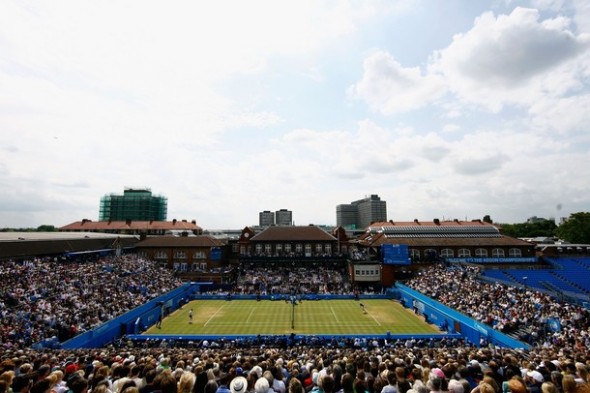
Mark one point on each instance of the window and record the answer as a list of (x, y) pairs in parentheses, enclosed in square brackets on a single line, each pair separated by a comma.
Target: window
[(481, 252), (298, 248), (180, 255), (515, 253), (279, 248), (318, 248), (203, 266), (142, 254), (308, 250), (287, 248), (199, 255), (195, 267), (328, 248), (183, 267), (415, 254), (258, 249), (176, 266), (498, 253), (430, 253), (447, 253), (267, 249), (160, 255), (464, 253)]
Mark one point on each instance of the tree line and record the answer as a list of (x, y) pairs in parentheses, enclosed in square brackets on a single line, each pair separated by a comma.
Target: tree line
[(576, 229)]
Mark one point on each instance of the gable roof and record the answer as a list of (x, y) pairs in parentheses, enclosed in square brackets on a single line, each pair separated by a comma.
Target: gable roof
[(293, 233), (130, 225), (376, 240), (434, 229)]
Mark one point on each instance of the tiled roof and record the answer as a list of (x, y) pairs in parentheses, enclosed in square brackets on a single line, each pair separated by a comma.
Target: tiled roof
[(430, 223), (433, 223), (87, 225), (429, 229), (180, 241), (500, 241), (293, 233)]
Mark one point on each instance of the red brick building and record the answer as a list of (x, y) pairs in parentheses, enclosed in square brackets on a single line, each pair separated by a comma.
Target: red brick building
[(141, 228), (203, 257), (292, 244), (427, 241)]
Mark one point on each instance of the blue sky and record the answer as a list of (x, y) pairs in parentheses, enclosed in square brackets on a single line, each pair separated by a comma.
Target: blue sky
[(454, 109)]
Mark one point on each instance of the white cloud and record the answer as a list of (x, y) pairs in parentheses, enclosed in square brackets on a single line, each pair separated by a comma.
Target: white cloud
[(230, 108), (568, 115), (450, 128), (582, 15), (388, 88), (509, 58)]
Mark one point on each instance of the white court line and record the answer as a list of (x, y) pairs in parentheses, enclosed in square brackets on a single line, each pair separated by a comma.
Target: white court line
[(334, 314), (378, 323), (249, 315), (213, 316)]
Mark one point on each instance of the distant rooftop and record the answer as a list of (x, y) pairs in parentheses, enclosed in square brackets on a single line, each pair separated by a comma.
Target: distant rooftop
[(35, 236)]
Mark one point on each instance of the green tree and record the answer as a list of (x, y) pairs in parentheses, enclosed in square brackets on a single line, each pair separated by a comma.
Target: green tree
[(544, 228), (46, 228), (576, 229)]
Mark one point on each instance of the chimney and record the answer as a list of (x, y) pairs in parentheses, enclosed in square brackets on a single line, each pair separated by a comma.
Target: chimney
[(416, 221), (194, 222), (436, 221), (128, 221), (391, 222), (174, 221)]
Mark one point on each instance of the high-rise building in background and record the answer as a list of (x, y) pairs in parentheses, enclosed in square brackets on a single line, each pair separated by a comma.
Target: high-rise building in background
[(360, 214), (135, 204), (281, 217), (347, 216), (266, 218), (284, 217)]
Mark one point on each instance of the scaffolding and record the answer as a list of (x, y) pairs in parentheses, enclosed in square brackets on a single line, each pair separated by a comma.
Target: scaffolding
[(134, 204)]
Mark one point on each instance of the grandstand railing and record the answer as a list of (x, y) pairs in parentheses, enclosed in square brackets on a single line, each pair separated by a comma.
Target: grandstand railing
[(137, 320), (437, 313), (132, 321)]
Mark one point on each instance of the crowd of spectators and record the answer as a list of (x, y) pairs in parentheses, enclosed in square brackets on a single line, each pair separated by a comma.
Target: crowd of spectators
[(42, 299), (45, 298), (507, 308), (401, 366), (288, 280)]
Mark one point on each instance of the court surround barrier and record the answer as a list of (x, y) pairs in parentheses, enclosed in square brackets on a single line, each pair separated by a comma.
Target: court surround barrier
[(132, 323), (437, 313)]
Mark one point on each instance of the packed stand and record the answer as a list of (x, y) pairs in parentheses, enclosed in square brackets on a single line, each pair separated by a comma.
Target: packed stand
[(41, 299), (288, 280), (401, 366), (507, 308)]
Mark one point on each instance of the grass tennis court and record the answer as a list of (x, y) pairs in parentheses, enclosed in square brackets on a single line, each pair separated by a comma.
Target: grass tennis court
[(314, 317)]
